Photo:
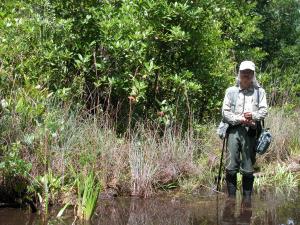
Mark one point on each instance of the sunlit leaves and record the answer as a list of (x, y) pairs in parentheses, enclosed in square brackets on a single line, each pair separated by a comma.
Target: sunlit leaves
[(155, 51)]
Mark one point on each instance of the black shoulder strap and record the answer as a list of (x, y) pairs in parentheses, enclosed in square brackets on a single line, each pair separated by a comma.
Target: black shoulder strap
[(258, 100)]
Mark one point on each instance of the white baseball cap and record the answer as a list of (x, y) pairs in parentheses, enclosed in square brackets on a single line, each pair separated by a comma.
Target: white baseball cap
[(247, 65)]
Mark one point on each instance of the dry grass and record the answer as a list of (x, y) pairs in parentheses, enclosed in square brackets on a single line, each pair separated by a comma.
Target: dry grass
[(135, 163), (284, 125), (141, 160), (147, 158), (156, 160)]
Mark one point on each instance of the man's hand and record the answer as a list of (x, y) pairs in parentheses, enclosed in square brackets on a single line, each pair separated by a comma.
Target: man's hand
[(247, 121), (248, 115)]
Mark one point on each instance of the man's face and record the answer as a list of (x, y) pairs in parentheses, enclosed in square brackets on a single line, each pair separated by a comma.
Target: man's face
[(246, 77)]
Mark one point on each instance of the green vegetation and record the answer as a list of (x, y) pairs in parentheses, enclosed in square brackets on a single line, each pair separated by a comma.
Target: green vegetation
[(128, 92), (280, 177), (88, 191)]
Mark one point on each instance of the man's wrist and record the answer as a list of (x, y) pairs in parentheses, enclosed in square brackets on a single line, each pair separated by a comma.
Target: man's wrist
[(240, 119), (255, 116)]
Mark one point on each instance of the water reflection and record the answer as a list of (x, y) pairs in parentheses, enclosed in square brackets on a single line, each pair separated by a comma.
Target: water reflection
[(213, 210), (229, 215), (184, 210), (165, 211)]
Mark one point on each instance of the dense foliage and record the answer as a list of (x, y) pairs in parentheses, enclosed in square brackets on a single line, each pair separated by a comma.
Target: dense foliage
[(164, 60)]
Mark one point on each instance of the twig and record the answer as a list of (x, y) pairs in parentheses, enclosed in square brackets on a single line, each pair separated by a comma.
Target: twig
[(212, 189)]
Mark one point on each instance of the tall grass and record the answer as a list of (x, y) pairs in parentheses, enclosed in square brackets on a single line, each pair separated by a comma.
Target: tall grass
[(156, 160), (138, 162), (284, 125)]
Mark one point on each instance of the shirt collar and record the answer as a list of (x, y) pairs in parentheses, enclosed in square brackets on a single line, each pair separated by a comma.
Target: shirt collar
[(251, 88)]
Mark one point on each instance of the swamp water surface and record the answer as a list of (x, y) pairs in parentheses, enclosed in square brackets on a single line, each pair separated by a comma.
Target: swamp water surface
[(170, 210)]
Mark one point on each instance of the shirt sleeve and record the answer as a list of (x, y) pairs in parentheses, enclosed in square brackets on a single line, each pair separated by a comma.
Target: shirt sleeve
[(229, 116), (262, 107)]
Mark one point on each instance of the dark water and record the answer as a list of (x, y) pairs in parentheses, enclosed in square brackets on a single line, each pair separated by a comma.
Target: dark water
[(184, 210)]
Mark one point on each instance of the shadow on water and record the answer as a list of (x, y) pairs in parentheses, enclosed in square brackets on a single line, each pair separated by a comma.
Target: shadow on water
[(186, 210)]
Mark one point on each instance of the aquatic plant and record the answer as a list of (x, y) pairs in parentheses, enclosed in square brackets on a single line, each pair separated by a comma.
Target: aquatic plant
[(88, 191), (46, 187)]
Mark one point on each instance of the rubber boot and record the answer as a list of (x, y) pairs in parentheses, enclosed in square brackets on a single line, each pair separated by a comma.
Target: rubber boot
[(231, 181), (247, 184)]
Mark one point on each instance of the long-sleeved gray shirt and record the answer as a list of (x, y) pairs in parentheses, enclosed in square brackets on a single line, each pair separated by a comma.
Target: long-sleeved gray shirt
[(245, 101)]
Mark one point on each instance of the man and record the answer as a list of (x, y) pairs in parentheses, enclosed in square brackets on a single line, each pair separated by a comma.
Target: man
[(244, 106)]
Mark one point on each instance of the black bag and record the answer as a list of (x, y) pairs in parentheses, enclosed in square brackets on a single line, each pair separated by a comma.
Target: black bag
[(264, 139)]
